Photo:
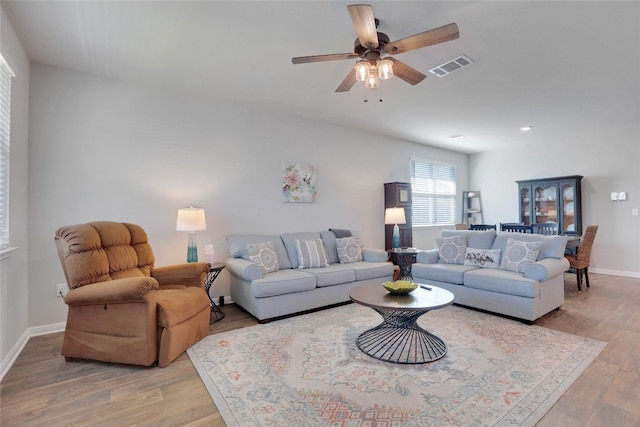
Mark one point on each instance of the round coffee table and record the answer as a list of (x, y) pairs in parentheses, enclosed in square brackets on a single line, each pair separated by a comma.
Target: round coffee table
[(399, 339)]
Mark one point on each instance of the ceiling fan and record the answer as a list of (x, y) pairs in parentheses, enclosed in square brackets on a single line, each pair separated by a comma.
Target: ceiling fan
[(373, 47)]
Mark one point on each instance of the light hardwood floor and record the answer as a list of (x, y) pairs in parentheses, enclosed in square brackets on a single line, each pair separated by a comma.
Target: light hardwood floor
[(42, 389)]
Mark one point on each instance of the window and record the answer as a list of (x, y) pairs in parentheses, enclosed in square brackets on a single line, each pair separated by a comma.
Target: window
[(5, 116), (433, 189)]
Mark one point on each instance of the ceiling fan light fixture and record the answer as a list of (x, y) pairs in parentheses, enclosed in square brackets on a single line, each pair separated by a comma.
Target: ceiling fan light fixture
[(362, 70), (385, 69), (372, 81)]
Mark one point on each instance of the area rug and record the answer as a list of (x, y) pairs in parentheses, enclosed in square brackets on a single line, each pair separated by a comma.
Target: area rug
[(308, 371)]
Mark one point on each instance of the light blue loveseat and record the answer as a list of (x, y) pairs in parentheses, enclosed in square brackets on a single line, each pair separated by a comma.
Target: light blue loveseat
[(291, 290), (529, 295)]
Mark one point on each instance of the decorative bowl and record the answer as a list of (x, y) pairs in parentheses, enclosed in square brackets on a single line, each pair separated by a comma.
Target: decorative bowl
[(400, 287)]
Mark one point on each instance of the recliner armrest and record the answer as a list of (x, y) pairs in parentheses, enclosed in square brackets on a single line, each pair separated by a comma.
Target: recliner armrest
[(119, 291), (244, 269), (187, 274)]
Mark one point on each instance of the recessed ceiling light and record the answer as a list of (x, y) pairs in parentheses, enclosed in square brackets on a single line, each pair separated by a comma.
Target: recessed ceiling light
[(458, 135), (526, 128)]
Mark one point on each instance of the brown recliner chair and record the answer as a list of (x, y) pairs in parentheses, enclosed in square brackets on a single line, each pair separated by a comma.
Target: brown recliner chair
[(121, 308)]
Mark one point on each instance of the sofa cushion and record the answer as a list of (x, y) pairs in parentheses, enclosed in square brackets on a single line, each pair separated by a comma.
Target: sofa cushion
[(371, 270), (448, 273), (311, 254), (519, 254), (329, 242), (452, 249), (479, 239), (502, 281), (264, 255), (552, 246), (334, 274), (341, 233), (289, 241), (483, 258), (282, 282), (237, 244), (349, 250)]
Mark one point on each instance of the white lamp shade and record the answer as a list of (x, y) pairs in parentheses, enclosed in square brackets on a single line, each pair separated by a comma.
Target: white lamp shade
[(191, 219), (394, 216)]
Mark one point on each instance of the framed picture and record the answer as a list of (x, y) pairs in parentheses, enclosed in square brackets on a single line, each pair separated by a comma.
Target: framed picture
[(298, 183)]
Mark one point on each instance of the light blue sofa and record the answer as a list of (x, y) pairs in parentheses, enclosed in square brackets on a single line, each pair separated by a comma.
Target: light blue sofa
[(529, 295), (292, 290)]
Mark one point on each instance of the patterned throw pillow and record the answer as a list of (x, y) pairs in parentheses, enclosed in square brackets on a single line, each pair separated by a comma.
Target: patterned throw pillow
[(485, 258), (349, 250), (311, 254), (452, 250), (264, 255), (519, 254)]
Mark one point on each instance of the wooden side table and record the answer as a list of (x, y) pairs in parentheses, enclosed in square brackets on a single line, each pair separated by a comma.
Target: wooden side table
[(214, 270)]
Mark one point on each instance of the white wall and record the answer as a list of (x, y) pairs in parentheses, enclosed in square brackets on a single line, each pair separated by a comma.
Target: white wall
[(14, 301), (103, 150), (608, 159)]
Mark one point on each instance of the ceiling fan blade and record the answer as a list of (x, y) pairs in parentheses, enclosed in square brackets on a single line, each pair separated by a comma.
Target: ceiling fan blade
[(320, 58), (365, 24), (406, 73), (428, 38), (348, 81)]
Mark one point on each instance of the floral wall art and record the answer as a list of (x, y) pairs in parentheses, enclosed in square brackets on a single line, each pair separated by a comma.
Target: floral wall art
[(298, 183)]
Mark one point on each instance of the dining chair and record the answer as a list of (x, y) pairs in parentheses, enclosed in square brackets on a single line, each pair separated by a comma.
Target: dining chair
[(546, 228), (462, 226), (579, 263), (482, 226), (515, 228)]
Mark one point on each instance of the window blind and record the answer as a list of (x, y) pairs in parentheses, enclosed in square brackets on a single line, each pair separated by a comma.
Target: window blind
[(5, 120), (433, 191)]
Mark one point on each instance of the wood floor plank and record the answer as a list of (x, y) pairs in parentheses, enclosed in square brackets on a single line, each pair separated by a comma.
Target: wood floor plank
[(42, 389)]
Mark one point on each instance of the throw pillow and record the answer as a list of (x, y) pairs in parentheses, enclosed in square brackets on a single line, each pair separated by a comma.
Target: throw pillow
[(484, 258), (349, 250), (518, 254), (311, 254), (341, 233), (452, 250), (264, 255)]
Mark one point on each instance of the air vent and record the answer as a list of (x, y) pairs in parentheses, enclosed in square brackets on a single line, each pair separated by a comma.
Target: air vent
[(451, 66)]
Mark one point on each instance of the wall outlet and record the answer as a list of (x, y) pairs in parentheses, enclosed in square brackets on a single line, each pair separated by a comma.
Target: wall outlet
[(61, 290)]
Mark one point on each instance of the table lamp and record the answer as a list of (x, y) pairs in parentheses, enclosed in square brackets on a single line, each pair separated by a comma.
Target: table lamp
[(191, 219), (395, 216)]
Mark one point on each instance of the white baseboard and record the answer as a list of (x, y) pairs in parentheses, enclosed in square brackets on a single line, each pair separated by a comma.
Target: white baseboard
[(615, 272), (15, 351)]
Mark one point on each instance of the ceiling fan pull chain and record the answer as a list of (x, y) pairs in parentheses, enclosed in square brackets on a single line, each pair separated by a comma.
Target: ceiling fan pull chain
[(380, 93)]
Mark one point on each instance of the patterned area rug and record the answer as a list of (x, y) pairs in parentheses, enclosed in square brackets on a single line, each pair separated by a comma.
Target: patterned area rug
[(307, 371)]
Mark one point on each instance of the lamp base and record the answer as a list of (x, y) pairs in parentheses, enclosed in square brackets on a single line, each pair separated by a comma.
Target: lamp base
[(395, 242), (192, 249)]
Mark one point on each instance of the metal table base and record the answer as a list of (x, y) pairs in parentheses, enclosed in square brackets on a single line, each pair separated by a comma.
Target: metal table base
[(398, 339)]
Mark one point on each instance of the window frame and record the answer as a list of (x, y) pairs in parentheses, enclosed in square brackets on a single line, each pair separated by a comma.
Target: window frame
[(6, 74), (441, 191)]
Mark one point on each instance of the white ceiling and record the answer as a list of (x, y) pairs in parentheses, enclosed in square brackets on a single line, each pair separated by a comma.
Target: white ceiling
[(565, 67)]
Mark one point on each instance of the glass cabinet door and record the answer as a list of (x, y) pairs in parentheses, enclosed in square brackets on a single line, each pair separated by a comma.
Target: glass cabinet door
[(525, 206), (546, 202), (568, 191)]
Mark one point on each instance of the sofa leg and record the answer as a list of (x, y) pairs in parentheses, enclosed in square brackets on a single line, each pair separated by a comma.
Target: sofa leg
[(68, 359)]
